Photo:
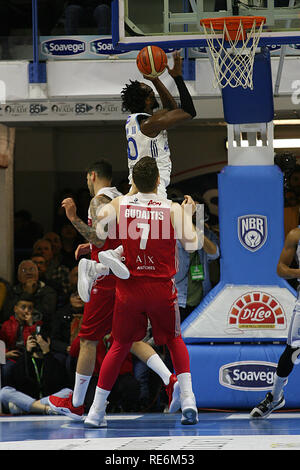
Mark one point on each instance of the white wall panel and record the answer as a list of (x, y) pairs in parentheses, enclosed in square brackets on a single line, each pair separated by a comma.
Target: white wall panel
[(15, 77)]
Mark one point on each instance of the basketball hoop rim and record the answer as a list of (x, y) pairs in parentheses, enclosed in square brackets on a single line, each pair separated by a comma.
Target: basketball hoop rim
[(232, 22), (234, 28)]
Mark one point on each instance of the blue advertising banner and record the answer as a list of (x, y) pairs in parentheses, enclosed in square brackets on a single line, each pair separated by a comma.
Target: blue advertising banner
[(83, 47)]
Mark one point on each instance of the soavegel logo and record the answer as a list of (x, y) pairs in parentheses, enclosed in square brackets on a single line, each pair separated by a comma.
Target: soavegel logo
[(248, 375), (252, 231), (63, 47), (104, 46)]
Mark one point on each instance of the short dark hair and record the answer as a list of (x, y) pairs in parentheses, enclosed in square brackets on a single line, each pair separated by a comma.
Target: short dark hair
[(102, 168), (145, 174), (24, 297), (134, 97)]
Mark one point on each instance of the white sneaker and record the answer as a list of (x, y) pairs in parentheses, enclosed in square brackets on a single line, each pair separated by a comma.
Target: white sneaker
[(189, 410), (88, 272), (114, 261), (96, 418)]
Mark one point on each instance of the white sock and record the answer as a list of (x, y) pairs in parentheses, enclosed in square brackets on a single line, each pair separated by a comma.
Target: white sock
[(100, 398), (185, 383), (80, 389), (157, 365), (278, 385)]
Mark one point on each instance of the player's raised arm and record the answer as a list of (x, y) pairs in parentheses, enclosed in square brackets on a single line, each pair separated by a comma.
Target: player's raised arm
[(88, 232), (171, 115)]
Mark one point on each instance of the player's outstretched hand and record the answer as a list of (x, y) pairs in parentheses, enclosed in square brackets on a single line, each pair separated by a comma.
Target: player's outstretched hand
[(70, 207), (177, 67)]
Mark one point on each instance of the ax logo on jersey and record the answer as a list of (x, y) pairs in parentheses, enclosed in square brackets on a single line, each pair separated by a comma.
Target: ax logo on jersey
[(145, 262), (248, 375), (63, 47), (252, 231), (257, 310)]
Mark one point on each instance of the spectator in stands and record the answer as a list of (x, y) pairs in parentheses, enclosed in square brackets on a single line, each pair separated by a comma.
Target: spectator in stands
[(87, 13), (41, 264), (56, 275), (5, 295), (66, 326), (56, 244), (193, 278), (44, 297), (70, 239), (63, 248), (15, 331), (35, 376)]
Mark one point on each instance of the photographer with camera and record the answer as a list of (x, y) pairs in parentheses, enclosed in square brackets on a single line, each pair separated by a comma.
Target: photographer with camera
[(36, 375), (15, 331)]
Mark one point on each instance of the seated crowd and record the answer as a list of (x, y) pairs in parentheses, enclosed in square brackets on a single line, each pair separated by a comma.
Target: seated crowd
[(41, 315)]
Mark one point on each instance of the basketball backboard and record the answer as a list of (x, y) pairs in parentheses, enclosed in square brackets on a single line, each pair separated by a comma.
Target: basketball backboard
[(176, 23)]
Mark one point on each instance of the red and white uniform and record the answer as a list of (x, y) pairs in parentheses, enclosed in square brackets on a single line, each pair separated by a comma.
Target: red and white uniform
[(149, 243), (98, 312)]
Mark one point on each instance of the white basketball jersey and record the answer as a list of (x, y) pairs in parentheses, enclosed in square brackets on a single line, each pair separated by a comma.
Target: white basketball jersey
[(110, 192), (140, 145)]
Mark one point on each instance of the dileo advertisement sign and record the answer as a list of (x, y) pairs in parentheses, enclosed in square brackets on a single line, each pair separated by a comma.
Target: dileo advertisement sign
[(248, 375), (242, 312), (257, 310)]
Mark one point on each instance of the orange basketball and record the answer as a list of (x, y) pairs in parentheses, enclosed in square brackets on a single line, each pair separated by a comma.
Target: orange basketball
[(151, 61)]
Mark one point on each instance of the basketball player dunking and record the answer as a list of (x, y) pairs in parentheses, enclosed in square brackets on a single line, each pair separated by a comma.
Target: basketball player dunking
[(146, 130), (147, 227)]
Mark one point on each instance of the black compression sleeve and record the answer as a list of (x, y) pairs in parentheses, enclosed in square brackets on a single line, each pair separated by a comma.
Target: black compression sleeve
[(185, 98)]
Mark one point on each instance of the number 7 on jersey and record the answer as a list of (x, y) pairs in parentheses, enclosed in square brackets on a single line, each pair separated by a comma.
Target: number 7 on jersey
[(145, 228)]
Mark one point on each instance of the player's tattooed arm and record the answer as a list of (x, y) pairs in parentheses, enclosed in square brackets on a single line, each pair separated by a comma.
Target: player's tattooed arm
[(87, 231)]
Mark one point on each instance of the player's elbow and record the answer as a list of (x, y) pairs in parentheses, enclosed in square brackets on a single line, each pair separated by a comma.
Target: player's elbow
[(189, 114), (280, 270)]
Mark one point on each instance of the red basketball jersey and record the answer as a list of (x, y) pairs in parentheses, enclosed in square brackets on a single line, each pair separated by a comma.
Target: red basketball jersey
[(147, 236)]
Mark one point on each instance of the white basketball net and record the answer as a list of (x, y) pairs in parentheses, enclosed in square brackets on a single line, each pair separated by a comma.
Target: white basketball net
[(233, 59)]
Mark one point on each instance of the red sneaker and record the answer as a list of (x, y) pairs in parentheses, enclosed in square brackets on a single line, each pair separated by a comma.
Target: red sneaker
[(63, 406), (173, 392)]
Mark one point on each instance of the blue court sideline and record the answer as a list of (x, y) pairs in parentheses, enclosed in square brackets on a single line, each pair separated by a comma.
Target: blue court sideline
[(215, 431)]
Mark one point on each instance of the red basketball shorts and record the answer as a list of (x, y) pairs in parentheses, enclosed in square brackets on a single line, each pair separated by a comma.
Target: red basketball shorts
[(138, 299), (98, 312)]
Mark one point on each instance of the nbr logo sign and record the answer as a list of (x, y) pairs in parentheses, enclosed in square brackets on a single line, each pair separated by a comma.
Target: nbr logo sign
[(252, 231)]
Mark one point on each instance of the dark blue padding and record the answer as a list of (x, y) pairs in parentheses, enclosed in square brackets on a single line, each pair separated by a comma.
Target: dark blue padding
[(244, 106)]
